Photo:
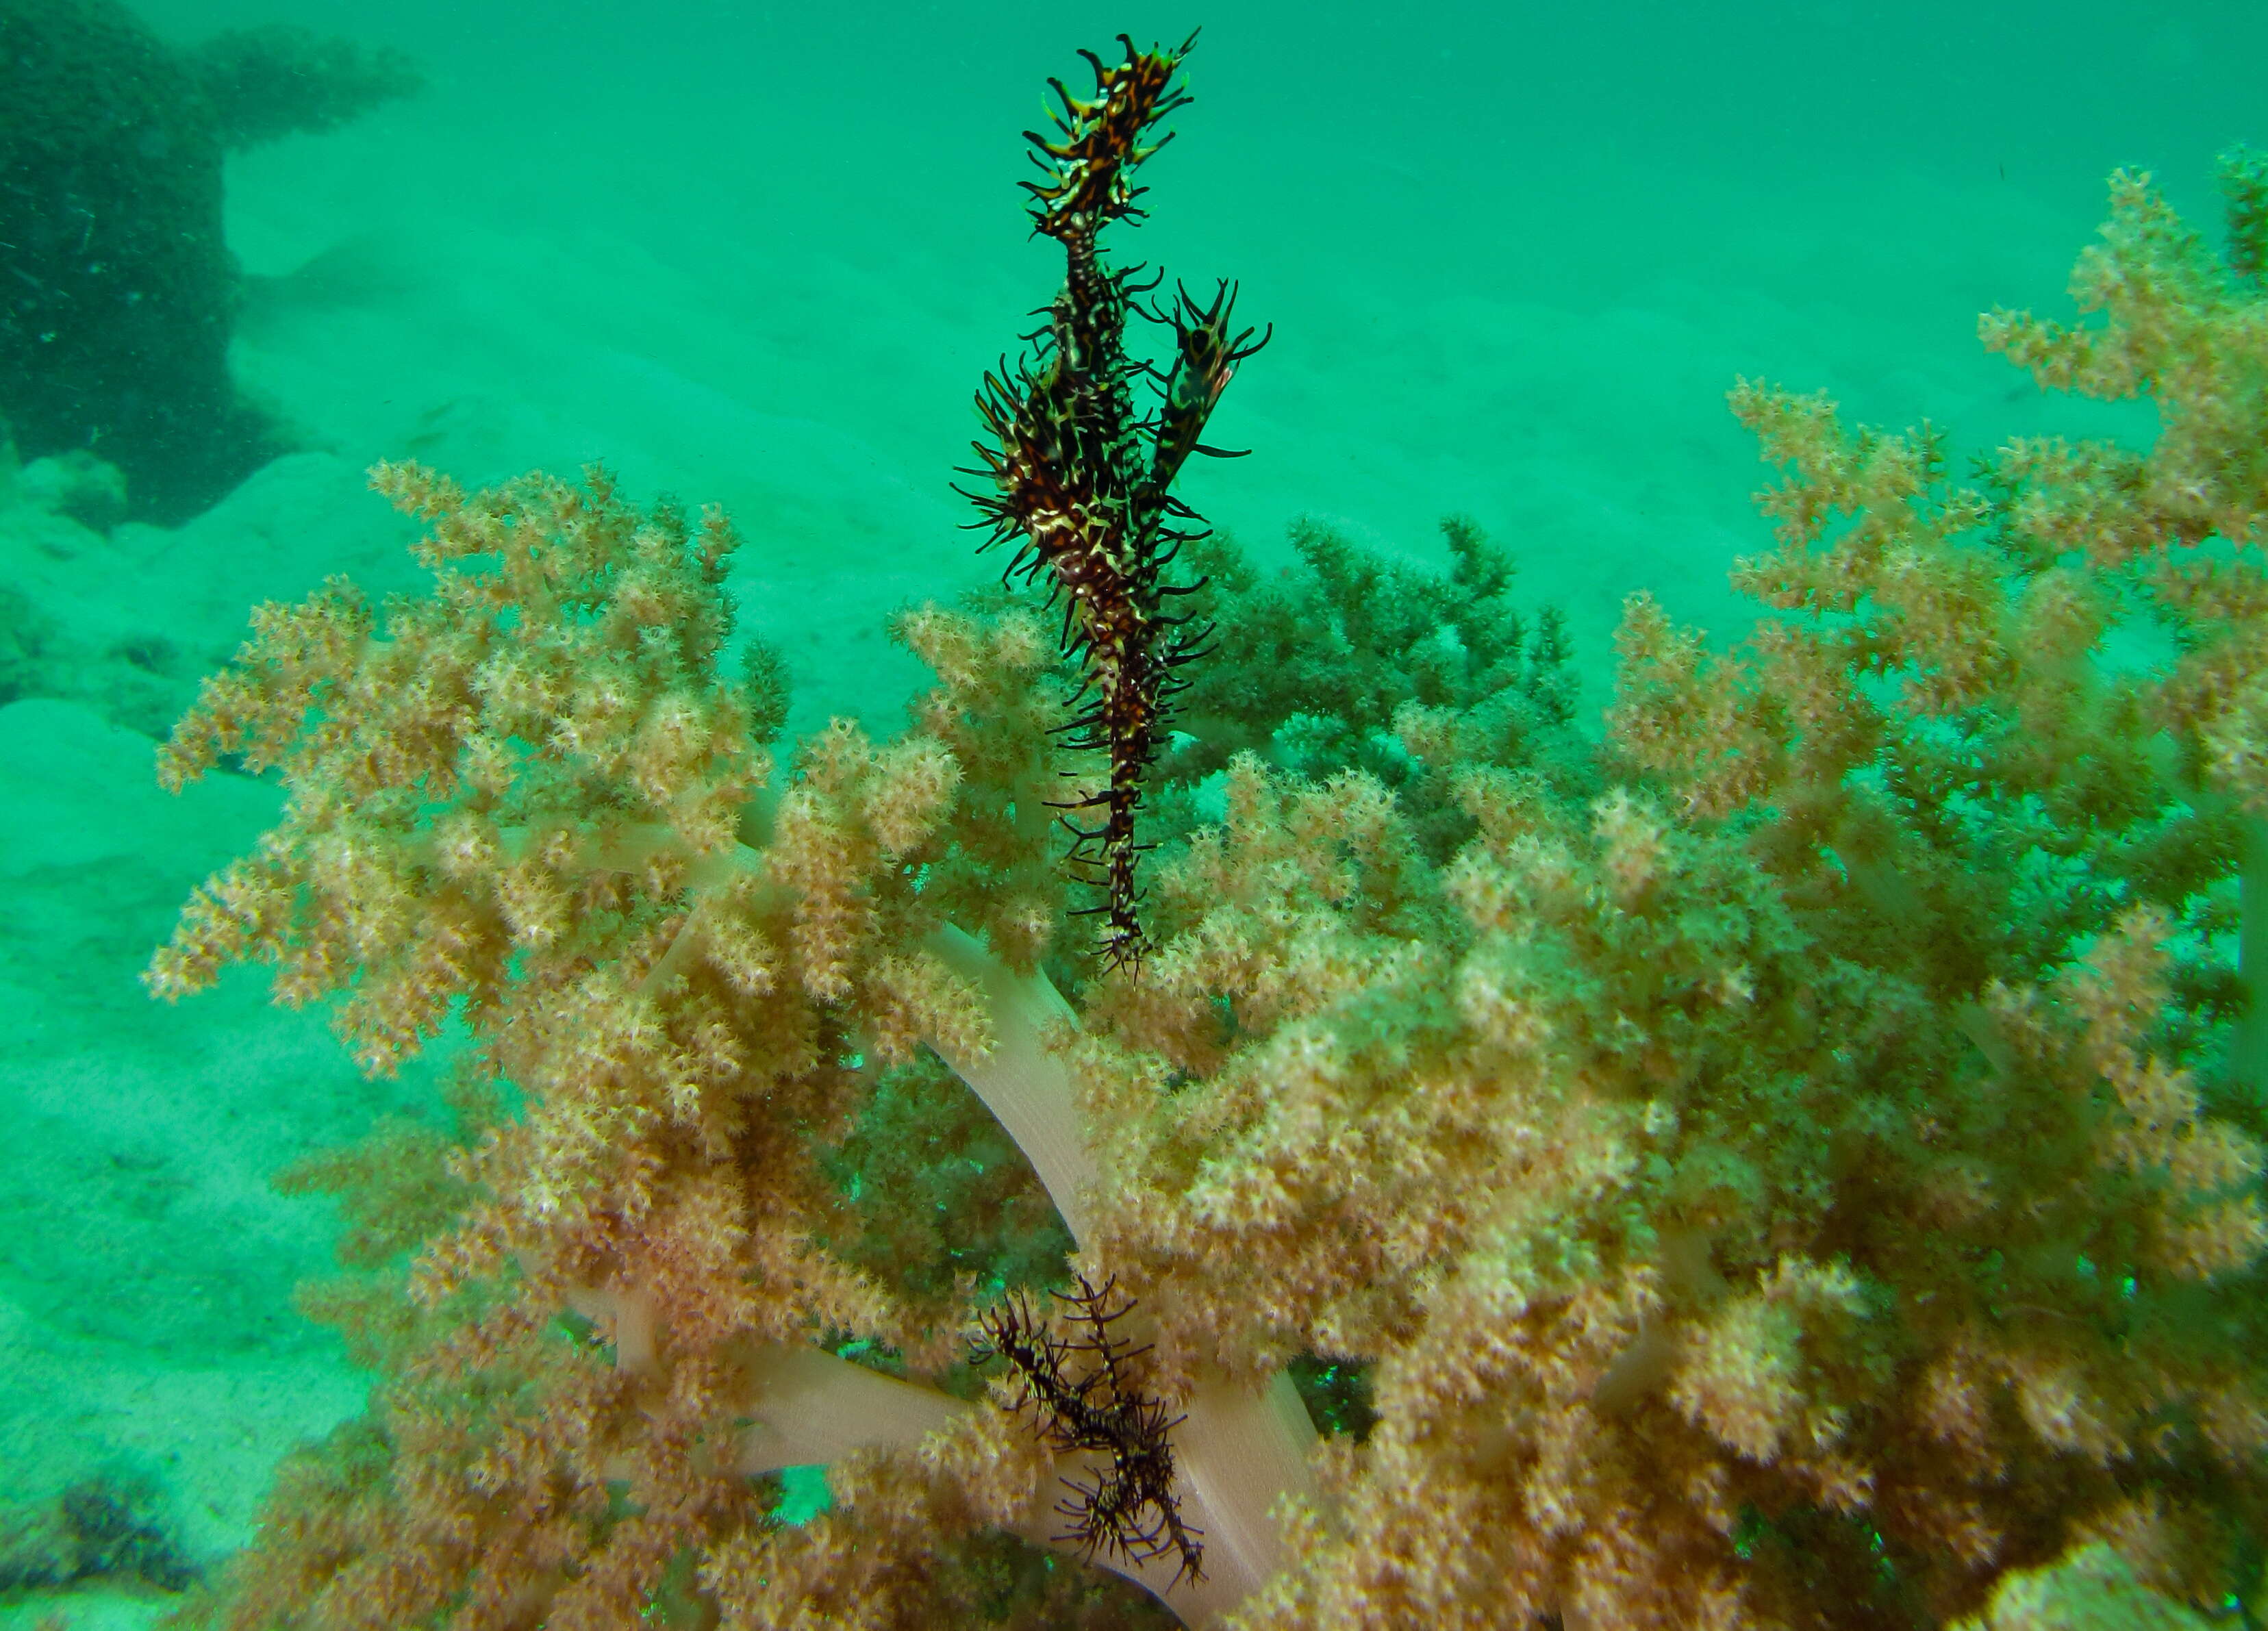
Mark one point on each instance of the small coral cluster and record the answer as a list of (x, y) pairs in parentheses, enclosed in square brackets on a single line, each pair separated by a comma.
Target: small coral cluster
[(1341, 660), (1804, 1170)]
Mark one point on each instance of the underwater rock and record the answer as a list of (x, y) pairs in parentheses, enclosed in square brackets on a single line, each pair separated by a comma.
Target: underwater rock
[(117, 289), (98, 1529)]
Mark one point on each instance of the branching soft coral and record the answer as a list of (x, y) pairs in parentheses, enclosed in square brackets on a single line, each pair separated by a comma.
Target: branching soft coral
[(526, 798), (1349, 662), (1805, 1182)]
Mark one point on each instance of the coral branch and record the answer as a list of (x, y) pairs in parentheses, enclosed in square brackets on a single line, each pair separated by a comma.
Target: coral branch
[(1802, 1166)]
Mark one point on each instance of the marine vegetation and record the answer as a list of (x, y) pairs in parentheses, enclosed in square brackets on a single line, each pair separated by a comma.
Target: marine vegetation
[(1804, 1172)]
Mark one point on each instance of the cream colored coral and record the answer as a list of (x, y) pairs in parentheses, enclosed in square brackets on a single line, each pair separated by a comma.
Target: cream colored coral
[(1804, 1180)]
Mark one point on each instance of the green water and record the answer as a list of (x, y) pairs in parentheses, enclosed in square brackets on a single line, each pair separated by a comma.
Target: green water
[(1514, 256)]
